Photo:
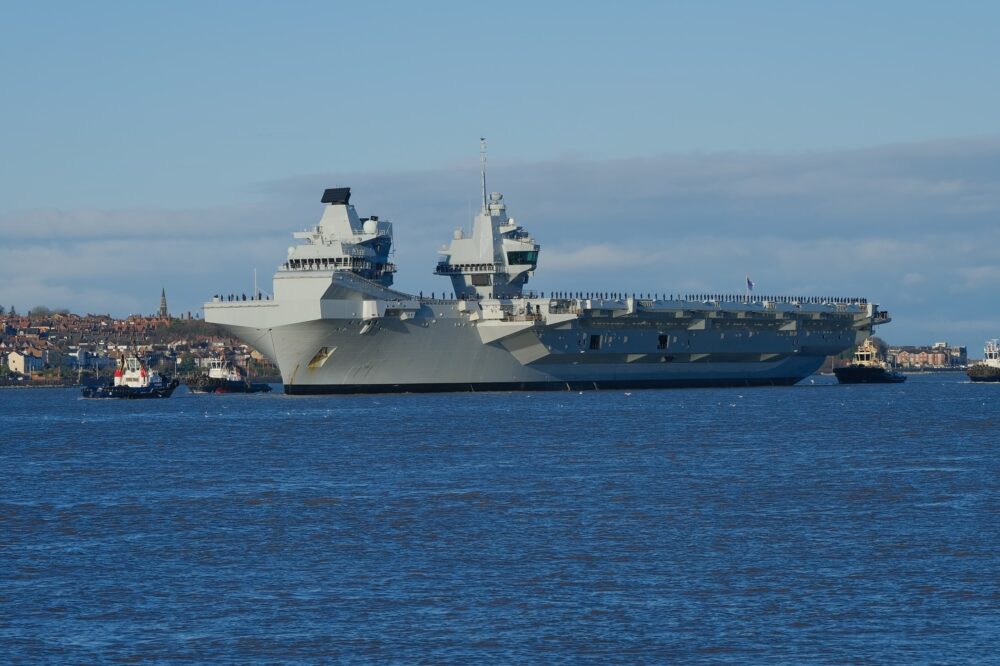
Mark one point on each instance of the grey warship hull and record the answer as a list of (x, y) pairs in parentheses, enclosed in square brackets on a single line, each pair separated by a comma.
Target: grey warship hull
[(335, 325), (375, 341)]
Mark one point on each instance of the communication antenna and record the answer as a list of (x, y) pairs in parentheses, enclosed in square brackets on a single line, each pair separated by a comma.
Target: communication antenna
[(482, 164)]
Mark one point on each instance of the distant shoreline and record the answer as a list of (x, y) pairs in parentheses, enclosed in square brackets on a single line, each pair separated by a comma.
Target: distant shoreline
[(53, 385), (914, 371)]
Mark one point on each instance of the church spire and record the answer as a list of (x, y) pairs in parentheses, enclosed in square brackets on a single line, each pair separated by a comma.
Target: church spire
[(163, 303)]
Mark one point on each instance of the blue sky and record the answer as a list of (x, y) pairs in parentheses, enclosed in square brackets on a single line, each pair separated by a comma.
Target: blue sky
[(842, 148)]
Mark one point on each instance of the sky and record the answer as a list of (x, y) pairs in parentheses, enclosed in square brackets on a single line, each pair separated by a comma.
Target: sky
[(839, 149)]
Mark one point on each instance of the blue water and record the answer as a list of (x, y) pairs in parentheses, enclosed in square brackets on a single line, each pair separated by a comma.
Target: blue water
[(811, 524)]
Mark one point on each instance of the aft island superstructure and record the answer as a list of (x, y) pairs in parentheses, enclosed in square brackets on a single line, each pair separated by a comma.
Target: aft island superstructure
[(334, 324)]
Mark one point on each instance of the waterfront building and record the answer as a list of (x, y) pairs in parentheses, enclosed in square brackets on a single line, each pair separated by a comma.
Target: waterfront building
[(937, 355), (24, 362)]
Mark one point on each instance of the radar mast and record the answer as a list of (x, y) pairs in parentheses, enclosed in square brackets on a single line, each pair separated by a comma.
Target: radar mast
[(482, 167)]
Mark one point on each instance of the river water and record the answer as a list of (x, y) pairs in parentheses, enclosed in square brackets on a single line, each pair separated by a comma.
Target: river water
[(811, 524)]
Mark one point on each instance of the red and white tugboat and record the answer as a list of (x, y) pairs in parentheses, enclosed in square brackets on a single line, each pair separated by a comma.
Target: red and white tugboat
[(222, 377), (133, 380)]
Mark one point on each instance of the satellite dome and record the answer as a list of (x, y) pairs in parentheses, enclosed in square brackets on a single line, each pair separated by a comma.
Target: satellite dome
[(371, 226)]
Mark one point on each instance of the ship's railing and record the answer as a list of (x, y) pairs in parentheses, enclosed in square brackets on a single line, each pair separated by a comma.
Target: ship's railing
[(789, 300), (566, 302), (649, 299), (242, 298), (444, 268), (337, 263)]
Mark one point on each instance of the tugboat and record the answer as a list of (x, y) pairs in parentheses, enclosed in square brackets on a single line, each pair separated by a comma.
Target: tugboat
[(867, 369), (989, 369), (133, 380), (224, 378)]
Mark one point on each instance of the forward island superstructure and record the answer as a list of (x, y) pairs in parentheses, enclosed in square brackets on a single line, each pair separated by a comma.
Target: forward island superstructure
[(334, 324)]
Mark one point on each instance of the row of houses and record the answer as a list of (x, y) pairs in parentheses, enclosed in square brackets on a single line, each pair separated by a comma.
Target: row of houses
[(60, 343), (938, 355)]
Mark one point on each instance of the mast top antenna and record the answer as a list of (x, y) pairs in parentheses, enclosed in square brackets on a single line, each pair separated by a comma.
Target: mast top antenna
[(482, 166)]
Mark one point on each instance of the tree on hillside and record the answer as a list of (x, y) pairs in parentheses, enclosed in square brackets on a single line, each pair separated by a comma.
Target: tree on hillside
[(186, 365), (881, 346)]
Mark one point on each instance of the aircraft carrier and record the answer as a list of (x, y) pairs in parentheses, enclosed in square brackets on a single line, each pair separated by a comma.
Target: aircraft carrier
[(334, 324)]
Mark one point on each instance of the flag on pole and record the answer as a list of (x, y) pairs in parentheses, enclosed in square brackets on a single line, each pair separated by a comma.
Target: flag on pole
[(749, 284)]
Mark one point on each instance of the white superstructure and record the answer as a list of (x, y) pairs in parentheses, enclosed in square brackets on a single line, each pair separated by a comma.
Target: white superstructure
[(866, 355), (131, 372), (991, 354)]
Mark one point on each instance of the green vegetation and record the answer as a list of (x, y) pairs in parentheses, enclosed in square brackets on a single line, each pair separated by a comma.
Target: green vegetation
[(42, 311)]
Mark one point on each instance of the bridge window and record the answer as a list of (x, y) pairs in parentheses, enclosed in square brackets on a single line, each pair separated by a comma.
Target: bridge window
[(528, 257)]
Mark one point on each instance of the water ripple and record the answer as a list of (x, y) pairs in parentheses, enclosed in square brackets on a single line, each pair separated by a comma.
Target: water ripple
[(814, 524)]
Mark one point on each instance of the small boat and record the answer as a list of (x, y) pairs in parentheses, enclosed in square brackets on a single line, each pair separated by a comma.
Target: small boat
[(133, 380), (866, 368), (222, 377), (989, 369)]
